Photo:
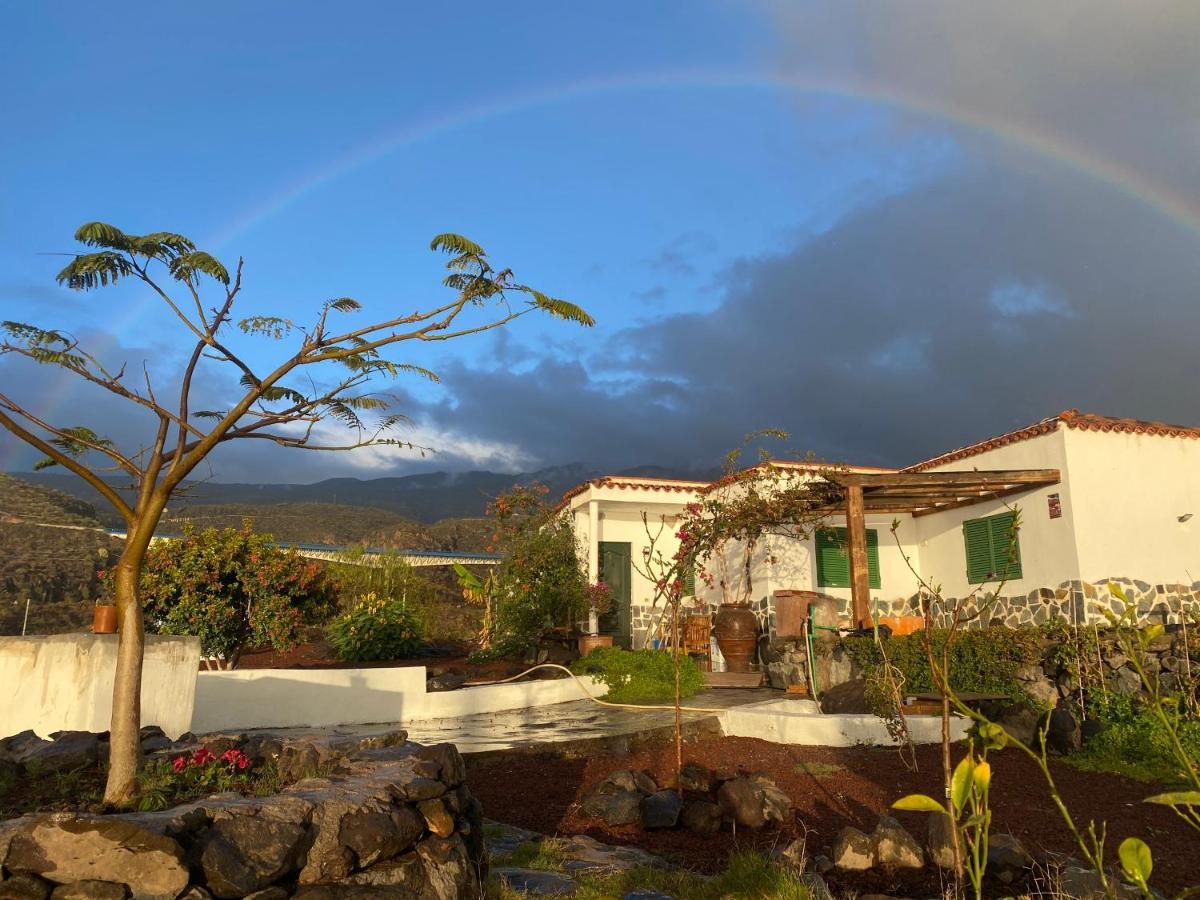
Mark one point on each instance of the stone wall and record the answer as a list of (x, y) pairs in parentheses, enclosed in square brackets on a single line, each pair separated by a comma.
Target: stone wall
[(395, 821)]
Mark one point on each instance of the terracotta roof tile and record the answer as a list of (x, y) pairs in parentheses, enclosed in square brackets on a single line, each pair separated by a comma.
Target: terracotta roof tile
[(1070, 418), (637, 484)]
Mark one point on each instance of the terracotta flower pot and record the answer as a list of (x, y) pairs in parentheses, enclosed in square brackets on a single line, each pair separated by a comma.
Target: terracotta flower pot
[(104, 619), (589, 642), (736, 628)]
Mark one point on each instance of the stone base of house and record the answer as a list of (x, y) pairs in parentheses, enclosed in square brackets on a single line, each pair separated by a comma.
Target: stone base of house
[(1073, 602)]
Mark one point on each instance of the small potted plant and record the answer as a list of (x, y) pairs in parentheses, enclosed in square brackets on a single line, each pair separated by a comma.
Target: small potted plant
[(599, 599)]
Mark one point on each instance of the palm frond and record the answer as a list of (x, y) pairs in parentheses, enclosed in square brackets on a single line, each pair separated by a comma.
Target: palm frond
[(345, 304)]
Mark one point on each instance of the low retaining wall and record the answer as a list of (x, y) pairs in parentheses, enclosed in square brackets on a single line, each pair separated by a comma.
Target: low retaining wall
[(64, 682), (286, 698), (800, 722)]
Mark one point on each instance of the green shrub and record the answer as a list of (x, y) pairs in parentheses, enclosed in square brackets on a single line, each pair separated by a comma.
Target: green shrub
[(542, 581), (640, 675), (1134, 743), (233, 589), (982, 660), (376, 628)]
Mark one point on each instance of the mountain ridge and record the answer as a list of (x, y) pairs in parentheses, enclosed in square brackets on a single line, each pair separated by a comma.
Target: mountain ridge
[(426, 497)]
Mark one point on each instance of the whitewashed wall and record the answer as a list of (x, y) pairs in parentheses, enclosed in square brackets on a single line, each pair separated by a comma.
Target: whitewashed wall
[(1129, 492), (286, 698), (64, 682), (1048, 546)]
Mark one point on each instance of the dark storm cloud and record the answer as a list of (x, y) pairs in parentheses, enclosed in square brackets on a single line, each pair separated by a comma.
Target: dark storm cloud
[(982, 301), (1108, 80)]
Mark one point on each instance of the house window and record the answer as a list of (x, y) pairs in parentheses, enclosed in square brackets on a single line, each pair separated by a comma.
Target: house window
[(833, 557), (988, 542)]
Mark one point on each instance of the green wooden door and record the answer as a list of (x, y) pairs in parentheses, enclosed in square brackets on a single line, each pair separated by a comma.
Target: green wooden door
[(616, 570)]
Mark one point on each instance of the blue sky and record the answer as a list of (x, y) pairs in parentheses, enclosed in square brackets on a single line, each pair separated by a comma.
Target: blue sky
[(639, 159)]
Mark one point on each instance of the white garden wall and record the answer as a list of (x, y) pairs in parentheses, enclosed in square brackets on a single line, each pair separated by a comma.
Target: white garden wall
[(64, 682), (288, 698)]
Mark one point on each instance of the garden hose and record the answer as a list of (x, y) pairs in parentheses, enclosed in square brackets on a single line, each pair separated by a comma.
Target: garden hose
[(587, 694)]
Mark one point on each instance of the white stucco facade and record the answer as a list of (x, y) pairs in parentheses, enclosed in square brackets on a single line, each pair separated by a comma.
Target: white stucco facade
[(1126, 507)]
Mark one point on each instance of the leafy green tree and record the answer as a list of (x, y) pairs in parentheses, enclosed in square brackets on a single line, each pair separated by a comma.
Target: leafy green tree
[(232, 588), (542, 581), (323, 377)]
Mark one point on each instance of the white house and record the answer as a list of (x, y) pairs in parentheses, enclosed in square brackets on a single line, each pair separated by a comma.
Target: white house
[(1101, 500)]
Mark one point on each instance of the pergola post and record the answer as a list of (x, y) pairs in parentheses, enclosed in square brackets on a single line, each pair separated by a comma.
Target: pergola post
[(860, 576)]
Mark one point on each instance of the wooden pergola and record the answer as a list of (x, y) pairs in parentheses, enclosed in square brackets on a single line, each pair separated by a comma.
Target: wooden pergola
[(920, 494)]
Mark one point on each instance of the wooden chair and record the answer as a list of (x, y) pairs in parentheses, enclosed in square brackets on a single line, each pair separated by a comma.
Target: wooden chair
[(697, 631)]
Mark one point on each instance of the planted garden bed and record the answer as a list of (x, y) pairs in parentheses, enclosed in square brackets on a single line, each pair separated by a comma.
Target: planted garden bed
[(831, 788)]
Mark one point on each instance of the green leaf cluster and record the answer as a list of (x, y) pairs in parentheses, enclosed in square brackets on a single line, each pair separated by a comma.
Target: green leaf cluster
[(640, 676), (232, 588), (982, 660), (376, 628)]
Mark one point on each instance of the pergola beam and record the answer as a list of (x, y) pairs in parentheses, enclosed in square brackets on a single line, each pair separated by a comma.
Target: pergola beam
[(944, 479)]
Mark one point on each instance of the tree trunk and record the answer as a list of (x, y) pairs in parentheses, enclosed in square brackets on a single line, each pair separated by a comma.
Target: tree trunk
[(125, 750)]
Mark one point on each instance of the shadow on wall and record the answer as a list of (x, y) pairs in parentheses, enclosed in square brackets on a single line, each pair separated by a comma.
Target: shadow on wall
[(267, 699)]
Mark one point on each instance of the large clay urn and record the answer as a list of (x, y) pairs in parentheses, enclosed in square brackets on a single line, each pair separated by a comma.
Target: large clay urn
[(736, 627)]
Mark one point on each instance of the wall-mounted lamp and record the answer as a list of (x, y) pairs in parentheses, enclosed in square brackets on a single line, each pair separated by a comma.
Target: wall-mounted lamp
[(1185, 517)]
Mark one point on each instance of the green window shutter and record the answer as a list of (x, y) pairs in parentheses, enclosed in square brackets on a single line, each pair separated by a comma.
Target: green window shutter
[(833, 557), (873, 557), (689, 582), (986, 542), (1000, 527), (977, 538)]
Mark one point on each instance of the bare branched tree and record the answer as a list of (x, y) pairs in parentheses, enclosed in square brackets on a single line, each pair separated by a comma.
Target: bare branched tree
[(323, 380)]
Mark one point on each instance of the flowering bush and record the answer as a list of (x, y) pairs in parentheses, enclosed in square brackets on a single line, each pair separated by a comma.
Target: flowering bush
[(232, 588), (376, 628), (190, 775)]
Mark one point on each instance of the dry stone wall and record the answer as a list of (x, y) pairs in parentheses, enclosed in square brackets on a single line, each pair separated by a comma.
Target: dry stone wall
[(395, 821)]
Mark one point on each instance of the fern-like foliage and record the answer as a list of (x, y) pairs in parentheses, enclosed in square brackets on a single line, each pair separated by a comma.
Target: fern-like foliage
[(187, 266), (344, 304), (272, 326), (93, 270), (74, 442), (560, 309)]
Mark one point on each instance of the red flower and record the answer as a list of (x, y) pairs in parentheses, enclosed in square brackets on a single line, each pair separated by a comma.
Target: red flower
[(179, 763)]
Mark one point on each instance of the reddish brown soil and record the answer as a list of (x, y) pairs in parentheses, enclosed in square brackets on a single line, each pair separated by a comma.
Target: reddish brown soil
[(543, 794), (317, 654)]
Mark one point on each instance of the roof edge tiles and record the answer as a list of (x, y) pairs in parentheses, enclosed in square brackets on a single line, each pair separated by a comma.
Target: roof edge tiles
[(1069, 418)]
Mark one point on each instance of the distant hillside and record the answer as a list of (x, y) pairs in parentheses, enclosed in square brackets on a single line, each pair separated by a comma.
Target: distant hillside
[(426, 498), (51, 549), (308, 523), (327, 523)]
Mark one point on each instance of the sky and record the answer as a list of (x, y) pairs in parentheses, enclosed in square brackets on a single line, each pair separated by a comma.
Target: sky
[(889, 228)]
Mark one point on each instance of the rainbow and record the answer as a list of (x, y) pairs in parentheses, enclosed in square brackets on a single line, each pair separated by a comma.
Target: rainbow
[(1123, 179)]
